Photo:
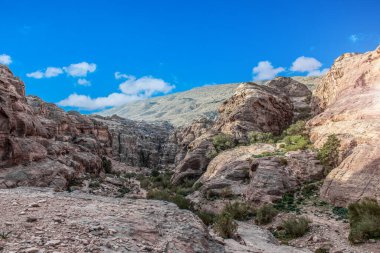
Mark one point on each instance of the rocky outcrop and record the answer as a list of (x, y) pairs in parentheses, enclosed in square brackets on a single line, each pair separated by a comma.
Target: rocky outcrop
[(241, 173), (44, 221), (42, 145), (182, 108), (252, 108), (348, 99), (140, 144), (299, 94), (272, 177), (256, 239)]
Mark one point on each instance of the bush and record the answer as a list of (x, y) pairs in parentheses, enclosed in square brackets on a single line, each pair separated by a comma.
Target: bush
[(223, 142), (106, 165), (296, 142), (329, 153), (364, 217), (341, 212), (295, 227), (225, 226), (238, 210), (154, 173), (297, 128), (321, 250), (258, 137), (207, 217), (265, 214), (166, 195), (269, 154), (287, 203)]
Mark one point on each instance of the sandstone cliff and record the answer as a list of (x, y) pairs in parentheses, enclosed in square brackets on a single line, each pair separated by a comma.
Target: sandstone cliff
[(348, 98), (42, 145)]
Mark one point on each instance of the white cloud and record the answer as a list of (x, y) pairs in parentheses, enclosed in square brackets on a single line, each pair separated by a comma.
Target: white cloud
[(119, 75), (52, 72), (75, 70), (80, 69), (264, 71), (131, 90), (309, 65), (37, 74), (354, 38), (84, 82), (318, 72), (145, 86), (305, 64), (49, 72), (87, 103), (5, 59)]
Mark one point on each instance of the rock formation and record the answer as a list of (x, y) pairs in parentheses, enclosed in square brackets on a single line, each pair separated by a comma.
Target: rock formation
[(244, 175), (66, 223), (252, 108), (298, 93), (42, 145), (348, 98)]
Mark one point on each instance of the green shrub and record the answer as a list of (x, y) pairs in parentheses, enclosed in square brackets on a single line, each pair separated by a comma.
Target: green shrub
[(259, 137), (225, 226), (238, 210), (297, 128), (329, 153), (295, 227), (122, 191), (287, 203), (364, 217), (269, 154), (4, 235), (166, 195), (208, 218), (296, 142), (265, 214), (223, 142), (322, 250), (154, 173), (341, 212), (106, 165), (94, 184)]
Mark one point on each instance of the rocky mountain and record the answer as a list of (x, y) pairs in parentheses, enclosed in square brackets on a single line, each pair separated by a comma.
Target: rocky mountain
[(98, 175), (348, 98), (182, 108), (42, 145)]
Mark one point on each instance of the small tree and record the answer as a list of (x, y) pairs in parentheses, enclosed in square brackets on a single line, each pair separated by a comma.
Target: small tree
[(106, 165), (329, 153)]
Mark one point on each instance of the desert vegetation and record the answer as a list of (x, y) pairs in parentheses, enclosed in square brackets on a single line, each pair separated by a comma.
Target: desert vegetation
[(364, 217)]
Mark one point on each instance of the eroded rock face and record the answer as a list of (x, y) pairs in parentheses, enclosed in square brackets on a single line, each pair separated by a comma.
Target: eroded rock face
[(141, 144), (42, 145), (86, 223), (252, 108), (299, 94), (348, 98), (242, 174)]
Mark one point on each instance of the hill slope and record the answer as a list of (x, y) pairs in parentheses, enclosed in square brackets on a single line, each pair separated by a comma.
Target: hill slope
[(183, 107)]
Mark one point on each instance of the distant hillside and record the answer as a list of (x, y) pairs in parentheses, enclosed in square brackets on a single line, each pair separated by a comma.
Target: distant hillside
[(183, 107)]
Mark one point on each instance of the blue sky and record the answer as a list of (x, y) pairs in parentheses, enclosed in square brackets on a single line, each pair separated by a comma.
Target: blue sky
[(69, 51)]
